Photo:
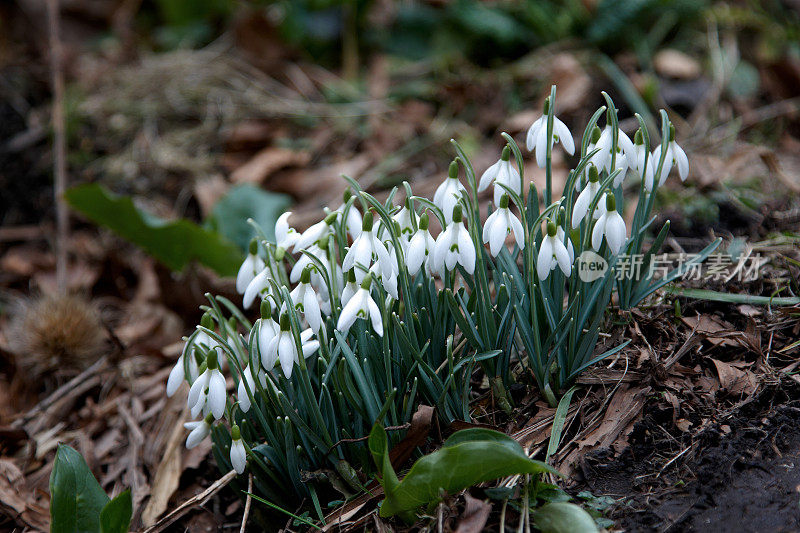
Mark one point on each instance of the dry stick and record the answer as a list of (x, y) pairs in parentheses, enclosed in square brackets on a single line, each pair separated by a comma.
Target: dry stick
[(67, 388), (197, 500), (247, 503), (59, 146)]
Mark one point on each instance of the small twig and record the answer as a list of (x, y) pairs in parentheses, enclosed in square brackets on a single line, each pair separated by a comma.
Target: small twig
[(64, 390), (194, 501), (247, 503), (59, 145), (674, 459), (361, 439)]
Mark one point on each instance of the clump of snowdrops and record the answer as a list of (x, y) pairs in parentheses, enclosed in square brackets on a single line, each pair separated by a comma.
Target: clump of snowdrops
[(368, 313)]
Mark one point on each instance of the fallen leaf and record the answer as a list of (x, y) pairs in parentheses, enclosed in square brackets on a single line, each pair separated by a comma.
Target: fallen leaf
[(734, 380), (266, 162), (476, 513), (675, 64)]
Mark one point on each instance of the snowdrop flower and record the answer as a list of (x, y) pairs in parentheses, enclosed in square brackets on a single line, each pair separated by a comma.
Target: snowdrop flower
[(611, 226), (350, 287), (389, 283), (402, 221), (200, 429), (561, 237), (241, 390), (502, 172), (499, 225), (257, 287), (318, 231), (585, 198), (353, 221), (305, 300), (537, 136), (264, 330), (318, 250), (285, 236), (178, 374), (553, 252), (420, 247), (454, 245), (238, 453), (361, 305), (251, 266), (208, 391), (282, 347), (644, 164), (448, 193), (675, 156), (625, 150), (366, 247)]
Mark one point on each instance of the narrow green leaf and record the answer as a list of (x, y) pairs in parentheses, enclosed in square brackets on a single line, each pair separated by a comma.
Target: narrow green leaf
[(558, 423)]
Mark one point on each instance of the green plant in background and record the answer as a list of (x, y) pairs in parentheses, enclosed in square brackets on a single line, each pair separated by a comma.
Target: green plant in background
[(364, 316), (78, 502)]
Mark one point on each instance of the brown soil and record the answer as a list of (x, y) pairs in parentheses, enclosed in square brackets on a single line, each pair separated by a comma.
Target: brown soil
[(739, 474)]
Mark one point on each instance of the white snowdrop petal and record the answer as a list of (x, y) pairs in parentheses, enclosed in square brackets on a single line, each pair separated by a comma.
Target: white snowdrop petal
[(544, 260), (489, 175), (682, 161), (564, 135), (176, 377), (286, 353), (597, 232), (615, 232), (562, 256), (238, 456), (216, 394)]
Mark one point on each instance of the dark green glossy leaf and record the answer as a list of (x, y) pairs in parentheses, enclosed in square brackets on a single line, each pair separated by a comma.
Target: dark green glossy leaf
[(562, 517), (116, 515), (460, 463), (242, 202), (174, 243), (76, 497)]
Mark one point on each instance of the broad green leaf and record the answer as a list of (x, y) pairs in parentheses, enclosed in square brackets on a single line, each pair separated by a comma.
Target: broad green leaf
[(116, 515), (468, 457), (174, 243), (242, 202), (562, 517), (76, 497)]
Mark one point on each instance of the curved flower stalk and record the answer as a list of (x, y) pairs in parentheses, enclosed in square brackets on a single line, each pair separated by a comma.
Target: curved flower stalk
[(361, 305), (449, 192), (454, 246), (610, 226), (536, 139), (503, 173), (499, 225)]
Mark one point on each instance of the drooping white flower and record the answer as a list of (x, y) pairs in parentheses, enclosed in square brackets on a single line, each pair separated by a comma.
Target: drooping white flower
[(536, 139), (350, 287), (361, 305), (251, 266), (318, 231), (403, 220), (178, 373), (581, 207), (610, 226), (353, 220), (208, 391), (499, 224), (501, 173), (675, 156), (552, 252), (282, 347), (241, 390), (365, 248), (644, 164), (305, 300), (257, 287), (560, 235), (448, 193), (625, 149), (420, 247), (199, 430), (238, 452), (285, 236), (454, 246)]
